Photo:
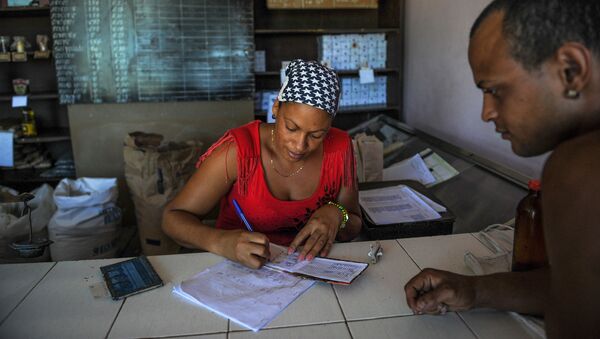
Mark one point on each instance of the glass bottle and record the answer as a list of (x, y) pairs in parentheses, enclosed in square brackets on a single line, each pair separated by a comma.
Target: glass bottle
[(529, 249)]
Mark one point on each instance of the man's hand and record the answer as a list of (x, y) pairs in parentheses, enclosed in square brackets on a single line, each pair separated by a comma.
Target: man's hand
[(434, 292), (250, 249), (318, 234)]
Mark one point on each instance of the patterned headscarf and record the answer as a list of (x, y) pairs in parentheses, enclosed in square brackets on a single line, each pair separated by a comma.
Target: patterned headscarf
[(310, 83)]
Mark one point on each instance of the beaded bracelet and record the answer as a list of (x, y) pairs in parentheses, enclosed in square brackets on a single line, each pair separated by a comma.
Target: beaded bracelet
[(345, 215)]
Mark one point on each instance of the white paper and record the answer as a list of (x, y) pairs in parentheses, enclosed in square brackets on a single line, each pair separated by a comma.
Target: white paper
[(250, 298), (366, 76), (396, 204), (19, 101), (440, 169), (6, 149), (437, 207), (409, 169), (323, 268)]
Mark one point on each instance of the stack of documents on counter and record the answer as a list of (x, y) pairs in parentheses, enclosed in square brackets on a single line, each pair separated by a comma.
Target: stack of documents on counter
[(253, 298), (398, 204)]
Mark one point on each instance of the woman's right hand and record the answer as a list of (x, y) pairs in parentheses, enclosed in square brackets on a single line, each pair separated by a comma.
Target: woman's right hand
[(250, 249)]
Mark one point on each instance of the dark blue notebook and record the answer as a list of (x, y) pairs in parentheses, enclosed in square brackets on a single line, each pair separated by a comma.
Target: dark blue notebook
[(130, 277)]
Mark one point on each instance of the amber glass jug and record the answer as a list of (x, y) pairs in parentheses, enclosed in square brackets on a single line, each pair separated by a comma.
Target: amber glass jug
[(529, 249)]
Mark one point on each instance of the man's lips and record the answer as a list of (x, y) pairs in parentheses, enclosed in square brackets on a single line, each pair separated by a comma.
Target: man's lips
[(504, 133)]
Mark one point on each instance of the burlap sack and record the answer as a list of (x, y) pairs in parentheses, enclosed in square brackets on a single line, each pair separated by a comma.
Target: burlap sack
[(368, 152), (155, 173)]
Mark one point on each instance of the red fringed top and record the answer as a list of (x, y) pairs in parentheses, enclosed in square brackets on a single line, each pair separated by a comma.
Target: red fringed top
[(280, 220)]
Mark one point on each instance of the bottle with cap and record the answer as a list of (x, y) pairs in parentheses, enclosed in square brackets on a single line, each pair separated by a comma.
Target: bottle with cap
[(529, 249)]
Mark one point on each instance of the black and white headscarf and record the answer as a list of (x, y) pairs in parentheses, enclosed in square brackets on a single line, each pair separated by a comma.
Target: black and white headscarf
[(310, 83)]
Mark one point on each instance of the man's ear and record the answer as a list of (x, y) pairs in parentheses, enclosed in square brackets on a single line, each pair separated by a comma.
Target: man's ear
[(574, 61)]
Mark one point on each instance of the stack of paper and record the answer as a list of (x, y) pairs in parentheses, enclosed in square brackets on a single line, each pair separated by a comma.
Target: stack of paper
[(398, 204), (440, 169), (253, 298), (426, 167), (250, 298), (410, 169)]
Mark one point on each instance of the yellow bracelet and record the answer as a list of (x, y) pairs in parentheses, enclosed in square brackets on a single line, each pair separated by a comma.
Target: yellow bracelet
[(345, 215)]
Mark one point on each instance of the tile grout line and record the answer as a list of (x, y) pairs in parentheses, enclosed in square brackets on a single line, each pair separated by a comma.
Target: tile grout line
[(342, 310), (27, 294), (467, 324), (115, 318), (408, 254)]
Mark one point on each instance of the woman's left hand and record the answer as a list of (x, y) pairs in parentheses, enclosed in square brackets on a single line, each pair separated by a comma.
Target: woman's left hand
[(318, 234)]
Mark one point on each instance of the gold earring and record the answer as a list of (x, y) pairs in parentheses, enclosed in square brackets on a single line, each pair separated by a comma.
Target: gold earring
[(572, 94)]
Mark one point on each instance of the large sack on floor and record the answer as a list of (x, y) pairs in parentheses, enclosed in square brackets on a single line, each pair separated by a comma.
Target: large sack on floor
[(87, 222), (14, 227), (155, 172)]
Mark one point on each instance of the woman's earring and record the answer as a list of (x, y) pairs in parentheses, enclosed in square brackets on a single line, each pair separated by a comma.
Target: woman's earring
[(572, 94)]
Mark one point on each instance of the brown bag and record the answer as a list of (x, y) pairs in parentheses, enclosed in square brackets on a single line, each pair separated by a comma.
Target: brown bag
[(368, 152), (155, 173)]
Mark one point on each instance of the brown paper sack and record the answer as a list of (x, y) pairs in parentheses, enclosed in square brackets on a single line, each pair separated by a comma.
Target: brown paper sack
[(368, 151), (155, 173)]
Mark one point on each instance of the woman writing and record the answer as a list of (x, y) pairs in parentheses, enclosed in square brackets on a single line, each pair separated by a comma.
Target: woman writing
[(294, 179)]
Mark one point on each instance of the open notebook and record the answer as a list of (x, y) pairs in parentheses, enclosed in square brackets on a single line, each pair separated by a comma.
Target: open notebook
[(323, 269)]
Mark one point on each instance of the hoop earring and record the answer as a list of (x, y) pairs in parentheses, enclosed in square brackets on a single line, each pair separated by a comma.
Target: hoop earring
[(572, 94)]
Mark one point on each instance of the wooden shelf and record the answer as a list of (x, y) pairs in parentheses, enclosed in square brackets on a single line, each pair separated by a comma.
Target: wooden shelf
[(366, 109), (35, 96), (341, 72), (24, 11), (47, 135), (326, 31), (10, 176)]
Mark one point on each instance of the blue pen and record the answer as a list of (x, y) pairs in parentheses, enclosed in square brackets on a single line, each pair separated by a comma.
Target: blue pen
[(240, 214)]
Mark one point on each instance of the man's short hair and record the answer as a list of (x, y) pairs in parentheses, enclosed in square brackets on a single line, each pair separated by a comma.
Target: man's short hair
[(535, 29)]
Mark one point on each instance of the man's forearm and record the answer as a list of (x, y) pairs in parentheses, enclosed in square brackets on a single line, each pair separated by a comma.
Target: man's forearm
[(523, 292)]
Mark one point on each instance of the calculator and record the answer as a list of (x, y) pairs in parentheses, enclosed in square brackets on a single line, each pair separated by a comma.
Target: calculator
[(130, 277)]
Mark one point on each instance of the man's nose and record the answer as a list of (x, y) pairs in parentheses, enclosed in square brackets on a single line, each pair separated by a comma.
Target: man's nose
[(489, 111)]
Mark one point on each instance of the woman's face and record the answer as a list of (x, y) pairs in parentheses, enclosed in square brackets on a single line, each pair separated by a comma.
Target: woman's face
[(299, 129)]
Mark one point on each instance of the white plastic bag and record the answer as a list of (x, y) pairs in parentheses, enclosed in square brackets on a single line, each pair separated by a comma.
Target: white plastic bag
[(14, 227), (86, 224)]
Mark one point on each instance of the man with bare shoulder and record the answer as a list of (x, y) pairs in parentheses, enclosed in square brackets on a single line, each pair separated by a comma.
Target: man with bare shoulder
[(538, 66)]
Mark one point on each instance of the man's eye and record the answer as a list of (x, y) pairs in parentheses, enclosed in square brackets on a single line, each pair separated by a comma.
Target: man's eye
[(290, 129), (492, 91), (319, 136)]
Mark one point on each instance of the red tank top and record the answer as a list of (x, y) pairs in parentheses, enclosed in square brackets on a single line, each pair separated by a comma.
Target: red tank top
[(280, 220)]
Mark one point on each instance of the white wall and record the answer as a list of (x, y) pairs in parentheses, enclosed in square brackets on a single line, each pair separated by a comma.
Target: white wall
[(440, 97)]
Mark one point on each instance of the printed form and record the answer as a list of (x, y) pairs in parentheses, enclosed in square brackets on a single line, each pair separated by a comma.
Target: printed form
[(397, 204)]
